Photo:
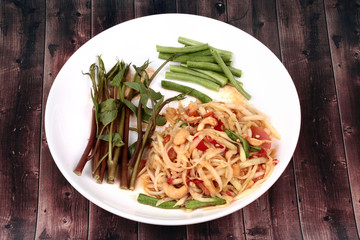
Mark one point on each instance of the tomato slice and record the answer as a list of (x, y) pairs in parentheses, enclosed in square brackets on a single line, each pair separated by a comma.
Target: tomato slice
[(172, 154), (260, 134)]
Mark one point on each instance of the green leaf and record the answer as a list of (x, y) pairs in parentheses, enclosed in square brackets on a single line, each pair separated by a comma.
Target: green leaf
[(158, 103), (144, 96), (108, 111), (116, 139), (140, 70), (155, 95), (145, 117), (134, 85), (148, 111), (160, 120), (118, 78), (130, 105), (101, 64)]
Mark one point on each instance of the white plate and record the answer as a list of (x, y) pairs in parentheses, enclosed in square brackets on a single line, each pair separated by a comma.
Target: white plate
[(68, 109)]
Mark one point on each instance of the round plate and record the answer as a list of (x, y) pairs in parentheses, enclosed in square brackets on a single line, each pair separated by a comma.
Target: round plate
[(68, 109)]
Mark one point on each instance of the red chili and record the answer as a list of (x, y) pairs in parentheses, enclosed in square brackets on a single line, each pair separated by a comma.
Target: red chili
[(201, 146), (197, 181), (229, 193), (276, 161), (261, 153), (219, 126)]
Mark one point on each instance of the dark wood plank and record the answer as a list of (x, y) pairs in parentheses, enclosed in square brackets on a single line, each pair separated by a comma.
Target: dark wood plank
[(21, 57), (155, 232), (320, 166), (106, 14), (343, 19), (103, 224), (147, 7), (228, 227), (278, 207), (212, 8), (63, 212)]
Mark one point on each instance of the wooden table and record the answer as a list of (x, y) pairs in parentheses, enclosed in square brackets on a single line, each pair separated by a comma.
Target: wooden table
[(317, 197)]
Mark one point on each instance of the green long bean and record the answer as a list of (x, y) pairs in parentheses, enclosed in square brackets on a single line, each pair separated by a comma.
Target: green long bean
[(193, 204), (193, 79), (145, 199), (191, 42), (187, 90), (228, 74), (212, 67), (195, 58), (182, 69), (235, 137), (187, 49), (221, 79)]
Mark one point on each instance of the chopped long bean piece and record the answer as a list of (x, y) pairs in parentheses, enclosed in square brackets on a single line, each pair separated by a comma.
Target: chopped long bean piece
[(190, 78), (208, 53), (187, 49), (221, 79), (228, 74), (195, 58), (193, 204), (187, 90), (213, 67), (191, 42), (237, 138), (182, 69), (145, 199)]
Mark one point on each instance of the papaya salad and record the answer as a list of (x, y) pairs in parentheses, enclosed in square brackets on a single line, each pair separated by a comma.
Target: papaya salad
[(211, 153)]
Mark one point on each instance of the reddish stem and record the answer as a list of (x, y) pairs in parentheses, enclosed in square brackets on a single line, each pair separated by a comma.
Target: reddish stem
[(125, 152), (84, 158)]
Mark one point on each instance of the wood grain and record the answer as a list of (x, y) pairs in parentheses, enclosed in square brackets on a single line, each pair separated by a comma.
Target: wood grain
[(106, 14), (228, 227), (279, 204), (320, 167), (62, 211), (343, 21), (103, 224), (21, 57)]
